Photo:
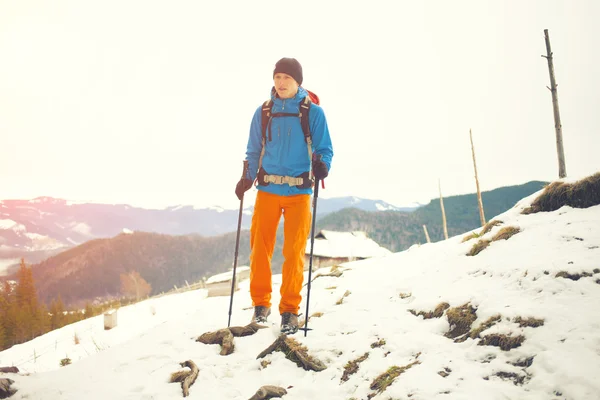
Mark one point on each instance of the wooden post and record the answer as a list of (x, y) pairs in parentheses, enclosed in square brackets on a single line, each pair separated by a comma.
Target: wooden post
[(426, 234), (562, 169), (479, 201), (443, 211)]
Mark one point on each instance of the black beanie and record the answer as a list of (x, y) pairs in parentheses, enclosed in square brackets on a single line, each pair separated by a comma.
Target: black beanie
[(289, 66)]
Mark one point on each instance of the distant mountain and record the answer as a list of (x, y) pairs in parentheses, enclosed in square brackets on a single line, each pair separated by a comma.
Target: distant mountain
[(398, 231), (327, 206), (39, 228), (92, 270)]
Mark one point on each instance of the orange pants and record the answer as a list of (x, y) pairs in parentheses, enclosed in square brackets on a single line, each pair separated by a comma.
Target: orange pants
[(296, 227)]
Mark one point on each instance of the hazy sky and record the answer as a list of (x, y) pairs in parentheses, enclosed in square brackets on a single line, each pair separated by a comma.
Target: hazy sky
[(149, 103)]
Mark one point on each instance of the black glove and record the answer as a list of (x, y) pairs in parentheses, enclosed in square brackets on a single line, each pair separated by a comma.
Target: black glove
[(320, 170), (242, 186)]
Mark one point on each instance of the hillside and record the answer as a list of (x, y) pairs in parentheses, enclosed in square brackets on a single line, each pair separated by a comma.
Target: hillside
[(92, 270), (518, 320), (398, 231)]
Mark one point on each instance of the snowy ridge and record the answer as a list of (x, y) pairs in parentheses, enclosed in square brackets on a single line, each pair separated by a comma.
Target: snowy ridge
[(366, 310)]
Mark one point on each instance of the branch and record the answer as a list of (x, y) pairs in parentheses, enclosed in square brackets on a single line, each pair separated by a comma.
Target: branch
[(187, 378), (269, 392)]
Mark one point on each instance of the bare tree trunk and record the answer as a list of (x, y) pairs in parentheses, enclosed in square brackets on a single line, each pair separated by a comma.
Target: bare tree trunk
[(137, 286), (443, 211), (479, 201), (426, 234), (562, 169)]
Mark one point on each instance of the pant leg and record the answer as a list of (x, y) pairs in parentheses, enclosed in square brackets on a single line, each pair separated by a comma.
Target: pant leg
[(296, 227), (263, 234)]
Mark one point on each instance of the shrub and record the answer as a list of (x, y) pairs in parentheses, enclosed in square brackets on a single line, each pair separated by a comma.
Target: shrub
[(460, 319), (65, 361), (506, 233), (488, 227), (581, 194), (478, 247)]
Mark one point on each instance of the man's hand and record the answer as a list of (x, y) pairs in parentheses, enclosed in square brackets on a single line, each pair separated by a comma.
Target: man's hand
[(242, 186), (320, 170)]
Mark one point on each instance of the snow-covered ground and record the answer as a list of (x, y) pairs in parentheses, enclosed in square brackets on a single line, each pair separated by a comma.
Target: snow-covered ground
[(511, 278)]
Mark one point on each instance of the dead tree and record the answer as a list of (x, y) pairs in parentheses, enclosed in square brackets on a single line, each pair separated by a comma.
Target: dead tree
[(481, 213), (562, 169), (5, 389), (426, 234), (269, 392), (225, 336), (295, 352), (443, 211), (187, 378)]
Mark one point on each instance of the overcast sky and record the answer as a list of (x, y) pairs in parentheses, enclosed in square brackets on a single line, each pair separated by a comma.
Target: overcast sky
[(149, 103)]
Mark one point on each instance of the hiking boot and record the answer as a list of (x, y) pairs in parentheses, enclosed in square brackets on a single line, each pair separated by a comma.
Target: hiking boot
[(260, 314), (289, 323)]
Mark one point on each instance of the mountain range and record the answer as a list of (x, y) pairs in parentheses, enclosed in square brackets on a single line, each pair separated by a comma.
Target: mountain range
[(91, 271), (44, 226)]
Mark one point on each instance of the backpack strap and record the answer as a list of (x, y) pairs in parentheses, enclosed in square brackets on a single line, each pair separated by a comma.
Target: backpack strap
[(265, 122), (304, 121)]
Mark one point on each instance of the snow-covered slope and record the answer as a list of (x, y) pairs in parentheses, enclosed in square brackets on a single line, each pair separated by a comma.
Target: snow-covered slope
[(365, 310)]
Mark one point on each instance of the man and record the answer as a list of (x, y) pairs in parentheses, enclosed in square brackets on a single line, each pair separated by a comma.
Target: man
[(281, 161)]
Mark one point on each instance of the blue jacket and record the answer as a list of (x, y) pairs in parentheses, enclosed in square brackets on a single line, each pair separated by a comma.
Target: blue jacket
[(286, 151)]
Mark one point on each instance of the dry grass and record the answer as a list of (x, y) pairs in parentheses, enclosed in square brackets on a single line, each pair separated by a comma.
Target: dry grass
[(65, 361), (506, 233), (488, 227), (315, 315), (379, 343), (517, 379), (475, 333), (299, 355), (76, 339), (437, 313), (473, 235), (341, 300), (387, 378), (460, 319), (529, 322), (405, 295), (352, 367), (573, 277), (478, 247), (505, 342), (581, 194)]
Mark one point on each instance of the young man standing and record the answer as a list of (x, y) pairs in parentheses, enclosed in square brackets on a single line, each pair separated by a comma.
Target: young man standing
[(284, 162)]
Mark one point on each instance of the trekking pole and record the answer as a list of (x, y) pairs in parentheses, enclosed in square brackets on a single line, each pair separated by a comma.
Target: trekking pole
[(312, 245), (237, 244)]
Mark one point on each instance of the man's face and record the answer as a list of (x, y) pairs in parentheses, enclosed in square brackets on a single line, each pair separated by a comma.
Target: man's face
[(285, 85)]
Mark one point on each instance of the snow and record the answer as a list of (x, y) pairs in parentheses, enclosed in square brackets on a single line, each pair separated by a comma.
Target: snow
[(5, 263), (72, 241), (345, 244), (127, 231), (512, 278), (81, 228), (225, 276), (7, 224), (381, 207)]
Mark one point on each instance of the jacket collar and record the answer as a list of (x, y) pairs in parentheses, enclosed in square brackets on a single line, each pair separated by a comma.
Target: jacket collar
[(297, 99)]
